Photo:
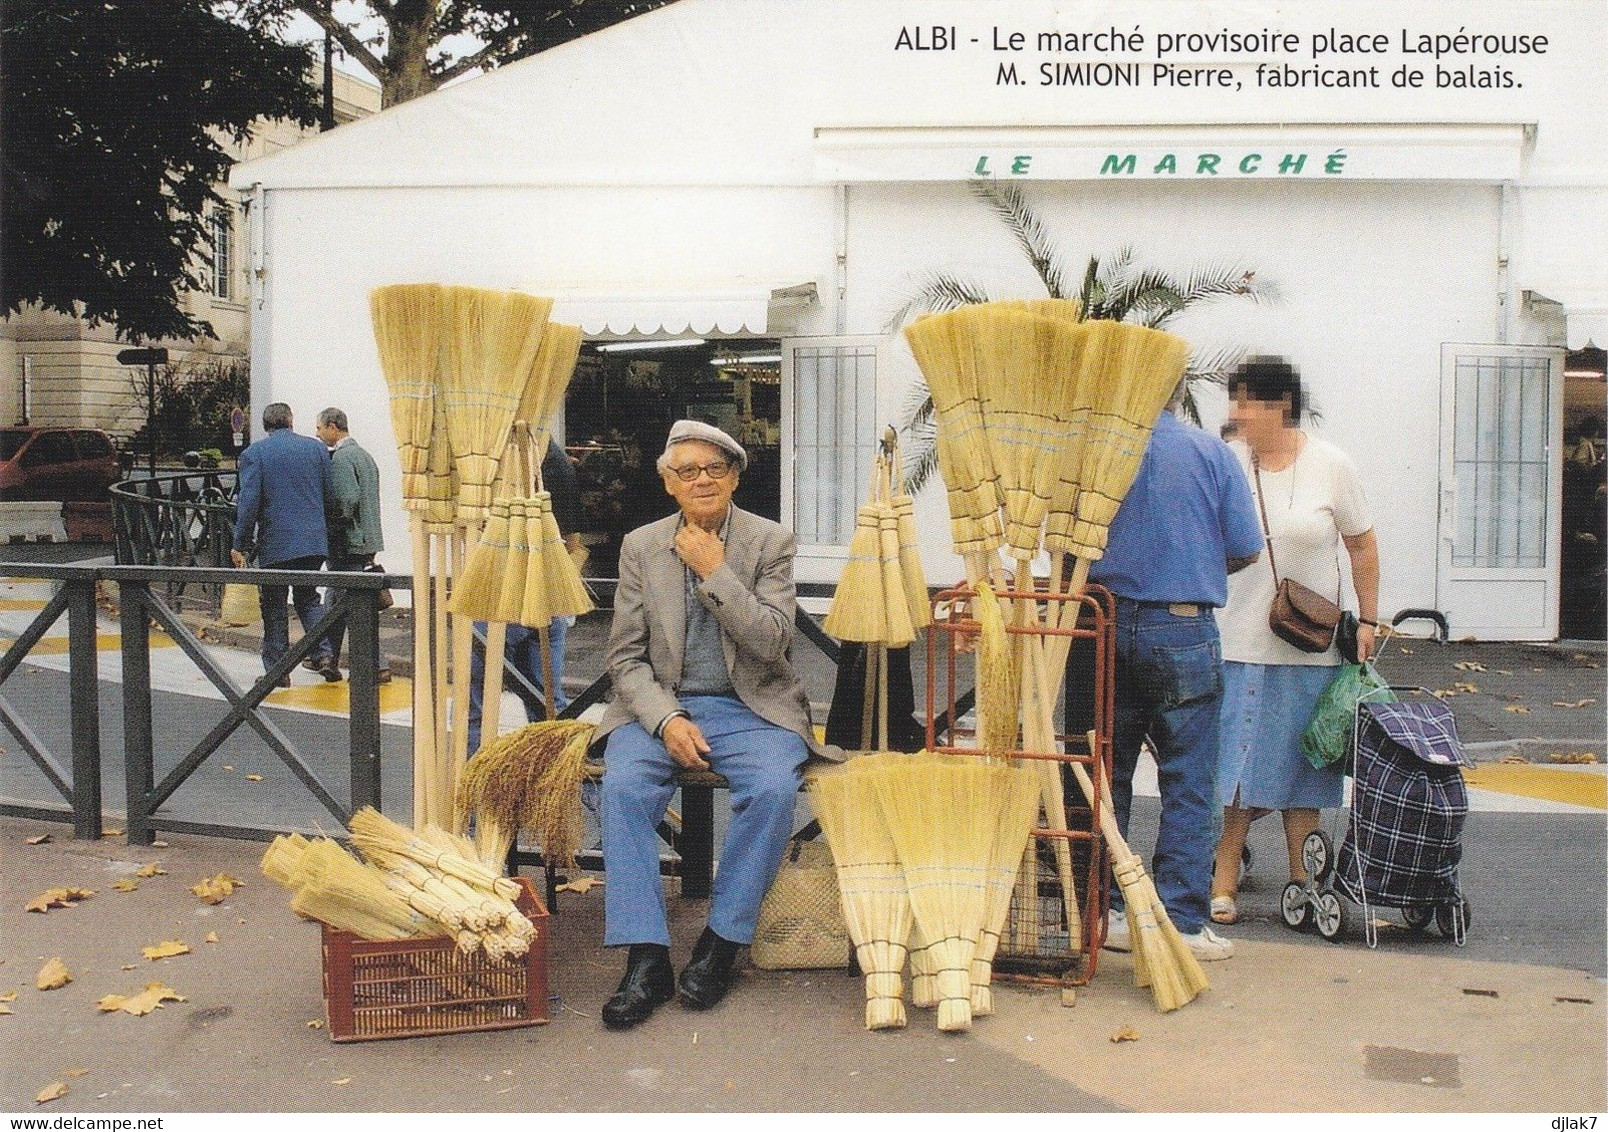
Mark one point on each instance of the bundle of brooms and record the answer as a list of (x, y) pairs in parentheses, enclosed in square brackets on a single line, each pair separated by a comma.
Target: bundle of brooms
[(528, 779), (1045, 418), (413, 885)]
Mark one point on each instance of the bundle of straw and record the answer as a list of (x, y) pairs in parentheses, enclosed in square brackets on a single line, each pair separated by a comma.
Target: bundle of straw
[(374, 833), (530, 780), (331, 885), (876, 907), (858, 611), (1013, 833)]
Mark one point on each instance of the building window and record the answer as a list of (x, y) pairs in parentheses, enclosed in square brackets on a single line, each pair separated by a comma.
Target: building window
[(221, 223), (835, 433), (1500, 458)]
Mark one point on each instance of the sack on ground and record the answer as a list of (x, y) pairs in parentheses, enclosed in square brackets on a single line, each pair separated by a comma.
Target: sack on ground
[(801, 918), (1327, 738), (1303, 617), (239, 605)]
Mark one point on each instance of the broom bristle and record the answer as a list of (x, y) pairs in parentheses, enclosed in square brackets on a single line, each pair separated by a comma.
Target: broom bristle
[(407, 331), (1018, 808), (857, 612)]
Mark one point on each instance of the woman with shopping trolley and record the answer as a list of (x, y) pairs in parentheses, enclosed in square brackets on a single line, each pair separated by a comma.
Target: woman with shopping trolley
[(1312, 503)]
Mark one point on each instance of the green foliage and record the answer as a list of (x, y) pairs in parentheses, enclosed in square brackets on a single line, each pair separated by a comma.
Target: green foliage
[(193, 400), (1113, 289), (113, 120), (409, 57)]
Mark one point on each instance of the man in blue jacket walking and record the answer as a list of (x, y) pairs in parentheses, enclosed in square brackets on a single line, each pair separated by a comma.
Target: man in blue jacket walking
[(279, 521)]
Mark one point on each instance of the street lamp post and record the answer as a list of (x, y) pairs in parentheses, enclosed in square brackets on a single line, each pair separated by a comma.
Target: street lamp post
[(150, 358)]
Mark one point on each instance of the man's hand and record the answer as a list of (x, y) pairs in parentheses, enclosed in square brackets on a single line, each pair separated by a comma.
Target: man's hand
[(686, 743), (238, 559), (703, 552)]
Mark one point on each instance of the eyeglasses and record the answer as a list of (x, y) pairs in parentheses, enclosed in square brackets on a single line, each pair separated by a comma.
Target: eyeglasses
[(717, 469)]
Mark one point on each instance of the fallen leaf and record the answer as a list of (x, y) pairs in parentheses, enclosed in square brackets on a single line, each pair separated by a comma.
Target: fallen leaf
[(341, 1081), (9, 996), (40, 840), (315, 1024), (216, 889), (130, 966), (253, 778), (52, 975), (1406, 651), (166, 949), (4, 1009), (1126, 1034), (1517, 709), (1574, 758), (1576, 704), (580, 884), (1504, 672), (212, 937), (1469, 666), (51, 1092), (111, 833), (154, 869), (1518, 760), (159, 845), (1481, 992), (226, 766), (74, 1072), (153, 996), (1443, 693), (1465, 686), (58, 898), (125, 885)]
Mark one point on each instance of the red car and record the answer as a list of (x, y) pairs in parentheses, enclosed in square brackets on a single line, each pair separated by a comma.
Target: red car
[(66, 464)]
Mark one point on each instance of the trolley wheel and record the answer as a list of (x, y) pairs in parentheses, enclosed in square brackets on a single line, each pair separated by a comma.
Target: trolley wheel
[(1418, 916), (1247, 862), (1447, 913), (1317, 856), (1329, 915), (1293, 905)]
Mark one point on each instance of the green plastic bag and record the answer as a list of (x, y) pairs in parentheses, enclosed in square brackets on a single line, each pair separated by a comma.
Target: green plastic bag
[(1327, 738)]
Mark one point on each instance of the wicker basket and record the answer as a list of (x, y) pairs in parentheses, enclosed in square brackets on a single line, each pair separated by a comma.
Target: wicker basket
[(407, 988), (801, 919)]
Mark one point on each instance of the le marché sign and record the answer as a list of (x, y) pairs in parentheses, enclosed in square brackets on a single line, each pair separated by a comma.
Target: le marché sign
[(1451, 152)]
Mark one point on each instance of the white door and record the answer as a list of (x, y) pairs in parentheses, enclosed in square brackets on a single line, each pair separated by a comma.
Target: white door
[(829, 434), (1501, 427)]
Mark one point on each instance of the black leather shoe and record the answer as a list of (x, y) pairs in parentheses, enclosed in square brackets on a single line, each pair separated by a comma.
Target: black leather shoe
[(707, 975), (329, 670), (649, 981)]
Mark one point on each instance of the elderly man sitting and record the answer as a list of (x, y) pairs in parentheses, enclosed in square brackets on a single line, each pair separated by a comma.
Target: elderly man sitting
[(703, 621)]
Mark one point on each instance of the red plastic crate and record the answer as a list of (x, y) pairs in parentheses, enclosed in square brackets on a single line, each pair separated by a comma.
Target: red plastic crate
[(407, 988)]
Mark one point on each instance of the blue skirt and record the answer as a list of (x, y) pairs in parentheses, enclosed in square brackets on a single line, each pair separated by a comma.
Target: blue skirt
[(1265, 709)]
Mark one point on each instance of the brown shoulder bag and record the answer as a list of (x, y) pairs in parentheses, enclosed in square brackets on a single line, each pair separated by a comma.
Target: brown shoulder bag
[(1300, 616)]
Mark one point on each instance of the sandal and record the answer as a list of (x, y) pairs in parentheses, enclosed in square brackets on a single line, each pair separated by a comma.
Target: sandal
[(1224, 910)]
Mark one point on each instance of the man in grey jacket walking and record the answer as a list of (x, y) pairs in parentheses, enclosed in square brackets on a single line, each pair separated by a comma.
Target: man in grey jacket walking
[(353, 519)]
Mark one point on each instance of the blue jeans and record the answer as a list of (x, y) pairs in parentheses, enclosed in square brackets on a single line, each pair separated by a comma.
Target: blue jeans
[(276, 618), (1170, 688), (761, 761), (522, 648)]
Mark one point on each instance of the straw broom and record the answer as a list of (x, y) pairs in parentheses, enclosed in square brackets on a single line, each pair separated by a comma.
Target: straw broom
[(333, 886), (373, 830), (942, 835), (407, 328), (1161, 958), (876, 907), (904, 510), (1013, 833), (527, 779)]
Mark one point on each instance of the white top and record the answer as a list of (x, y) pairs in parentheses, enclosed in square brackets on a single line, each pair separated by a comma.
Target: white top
[(1310, 505)]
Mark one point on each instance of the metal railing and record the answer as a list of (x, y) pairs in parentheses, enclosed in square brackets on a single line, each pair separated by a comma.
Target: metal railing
[(181, 519), (141, 605)]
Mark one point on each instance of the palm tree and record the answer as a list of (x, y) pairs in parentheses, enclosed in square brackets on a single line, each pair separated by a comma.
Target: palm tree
[(1112, 289)]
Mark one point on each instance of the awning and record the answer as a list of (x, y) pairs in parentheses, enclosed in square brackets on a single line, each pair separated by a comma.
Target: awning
[(1585, 315), (749, 310)]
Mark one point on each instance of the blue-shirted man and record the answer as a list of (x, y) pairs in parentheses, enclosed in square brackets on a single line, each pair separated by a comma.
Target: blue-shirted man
[(1187, 522)]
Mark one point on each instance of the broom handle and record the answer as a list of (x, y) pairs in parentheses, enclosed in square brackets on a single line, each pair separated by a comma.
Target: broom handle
[(1040, 707), (438, 671), (423, 697), (868, 696), (462, 650), (882, 696), (491, 687), (545, 645)]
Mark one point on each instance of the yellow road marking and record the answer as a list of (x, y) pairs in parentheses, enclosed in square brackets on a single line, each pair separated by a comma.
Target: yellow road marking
[(337, 697), (104, 642), (13, 604), (1577, 788)]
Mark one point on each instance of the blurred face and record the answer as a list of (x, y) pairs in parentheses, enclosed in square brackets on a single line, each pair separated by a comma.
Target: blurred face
[(1255, 421), (703, 499), (328, 433)]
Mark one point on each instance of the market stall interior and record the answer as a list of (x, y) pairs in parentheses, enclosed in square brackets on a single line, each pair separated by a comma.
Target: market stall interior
[(621, 403)]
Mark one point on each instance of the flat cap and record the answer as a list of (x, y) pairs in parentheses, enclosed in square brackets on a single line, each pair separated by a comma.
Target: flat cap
[(709, 434)]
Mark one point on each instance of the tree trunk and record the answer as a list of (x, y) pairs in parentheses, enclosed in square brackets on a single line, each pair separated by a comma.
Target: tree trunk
[(411, 32)]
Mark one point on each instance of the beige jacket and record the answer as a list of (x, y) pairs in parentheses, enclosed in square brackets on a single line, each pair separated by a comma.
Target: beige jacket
[(751, 597)]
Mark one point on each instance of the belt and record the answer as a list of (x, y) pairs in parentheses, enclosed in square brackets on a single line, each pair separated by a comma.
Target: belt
[(1176, 608)]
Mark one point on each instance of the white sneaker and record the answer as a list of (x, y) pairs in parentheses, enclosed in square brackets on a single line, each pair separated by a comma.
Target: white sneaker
[(1206, 944), (1117, 931)]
